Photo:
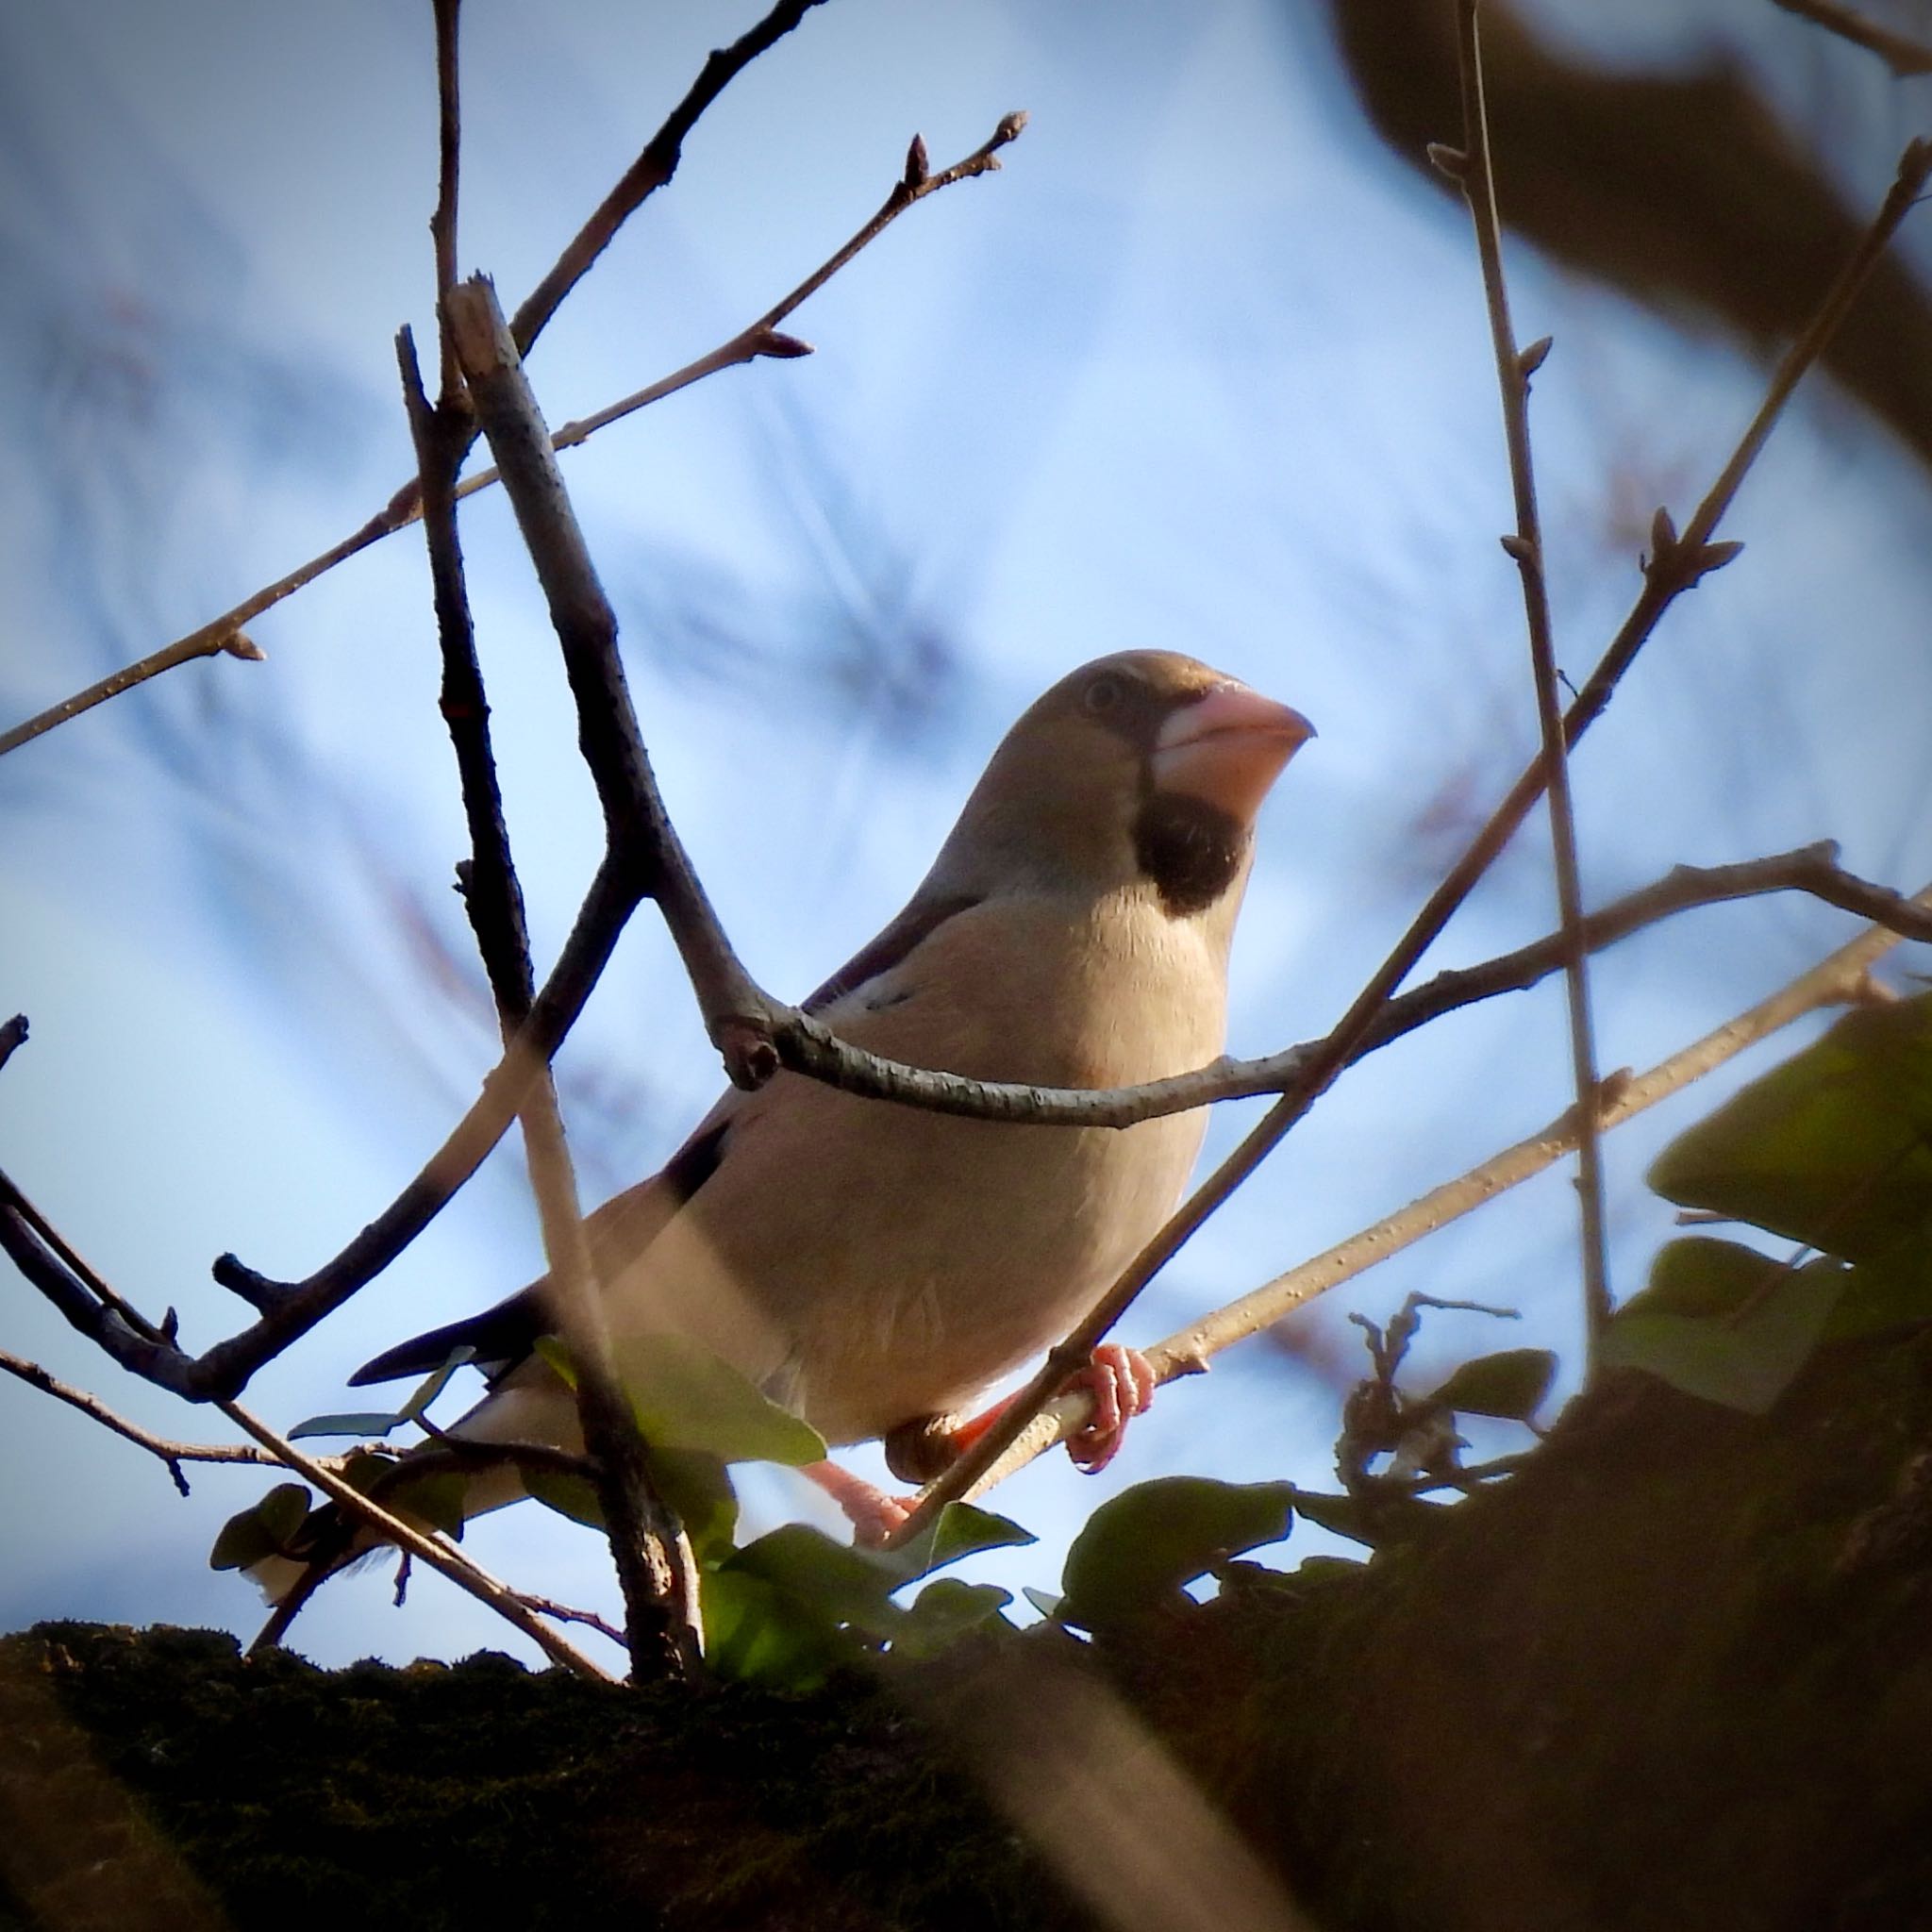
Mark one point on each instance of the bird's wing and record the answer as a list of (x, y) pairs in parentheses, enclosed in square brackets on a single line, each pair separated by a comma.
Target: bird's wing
[(626, 1225), (921, 919)]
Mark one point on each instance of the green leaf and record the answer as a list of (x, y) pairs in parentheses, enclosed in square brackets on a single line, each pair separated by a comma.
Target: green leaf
[(1833, 1148), (698, 1486), (1139, 1548), (1510, 1383), (360, 1422), (960, 1531), (435, 1500), (945, 1611), (1880, 1296), (266, 1528), (575, 1497), (1724, 1322), (754, 1633), (363, 1468), (686, 1397), (832, 1581), (435, 1383), (1339, 1516)]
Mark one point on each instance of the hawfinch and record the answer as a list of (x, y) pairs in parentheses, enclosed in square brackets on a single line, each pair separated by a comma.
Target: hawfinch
[(872, 1267)]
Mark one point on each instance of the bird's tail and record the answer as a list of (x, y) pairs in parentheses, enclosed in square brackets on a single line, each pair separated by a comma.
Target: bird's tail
[(421, 1486)]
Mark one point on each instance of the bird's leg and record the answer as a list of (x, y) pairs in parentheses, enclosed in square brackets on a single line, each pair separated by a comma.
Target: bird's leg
[(873, 1515), (1121, 1380)]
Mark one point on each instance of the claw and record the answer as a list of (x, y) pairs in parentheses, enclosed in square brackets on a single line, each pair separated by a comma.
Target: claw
[(1122, 1383)]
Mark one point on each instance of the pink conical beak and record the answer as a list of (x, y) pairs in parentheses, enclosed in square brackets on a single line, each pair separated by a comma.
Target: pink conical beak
[(1228, 747)]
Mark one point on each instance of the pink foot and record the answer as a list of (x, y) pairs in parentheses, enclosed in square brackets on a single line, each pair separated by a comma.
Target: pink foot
[(1122, 1383), (872, 1514)]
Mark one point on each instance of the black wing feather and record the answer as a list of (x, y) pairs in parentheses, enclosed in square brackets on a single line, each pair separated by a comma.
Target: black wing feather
[(914, 926)]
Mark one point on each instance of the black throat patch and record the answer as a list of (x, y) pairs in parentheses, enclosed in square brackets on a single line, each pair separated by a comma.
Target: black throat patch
[(1191, 850)]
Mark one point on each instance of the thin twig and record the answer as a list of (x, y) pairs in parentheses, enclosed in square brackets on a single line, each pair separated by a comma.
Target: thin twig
[(1476, 168), (172, 1453), (1905, 56), (442, 224), (651, 169), (565, 1613), (1833, 981), (761, 339), (1678, 565)]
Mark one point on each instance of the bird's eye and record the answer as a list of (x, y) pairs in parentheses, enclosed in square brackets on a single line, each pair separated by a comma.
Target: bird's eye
[(1104, 696)]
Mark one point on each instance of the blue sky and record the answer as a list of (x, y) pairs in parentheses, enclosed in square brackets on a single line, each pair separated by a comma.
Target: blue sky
[(1202, 366)]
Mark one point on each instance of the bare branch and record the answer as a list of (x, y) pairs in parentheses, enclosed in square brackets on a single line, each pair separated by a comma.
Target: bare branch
[(461, 1570), (736, 1014), (654, 166), (1678, 565), (647, 1544), (808, 1047), (293, 1308), (651, 169), (1833, 981), (1514, 372), (1905, 56), (759, 339), (442, 224), (172, 1454)]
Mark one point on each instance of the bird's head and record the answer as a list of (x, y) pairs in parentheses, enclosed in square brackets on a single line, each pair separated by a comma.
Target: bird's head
[(1142, 768)]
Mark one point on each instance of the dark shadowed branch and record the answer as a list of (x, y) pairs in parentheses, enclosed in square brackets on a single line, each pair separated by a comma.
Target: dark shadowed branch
[(653, 1562), (653, 168)]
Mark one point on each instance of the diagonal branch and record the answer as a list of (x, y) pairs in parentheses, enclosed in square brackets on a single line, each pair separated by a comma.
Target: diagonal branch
[(1834, 981), (638, 829), (1476, 168), (651, 169), (654, 166), (1678, 566), (172, 1454), (758, 338)]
